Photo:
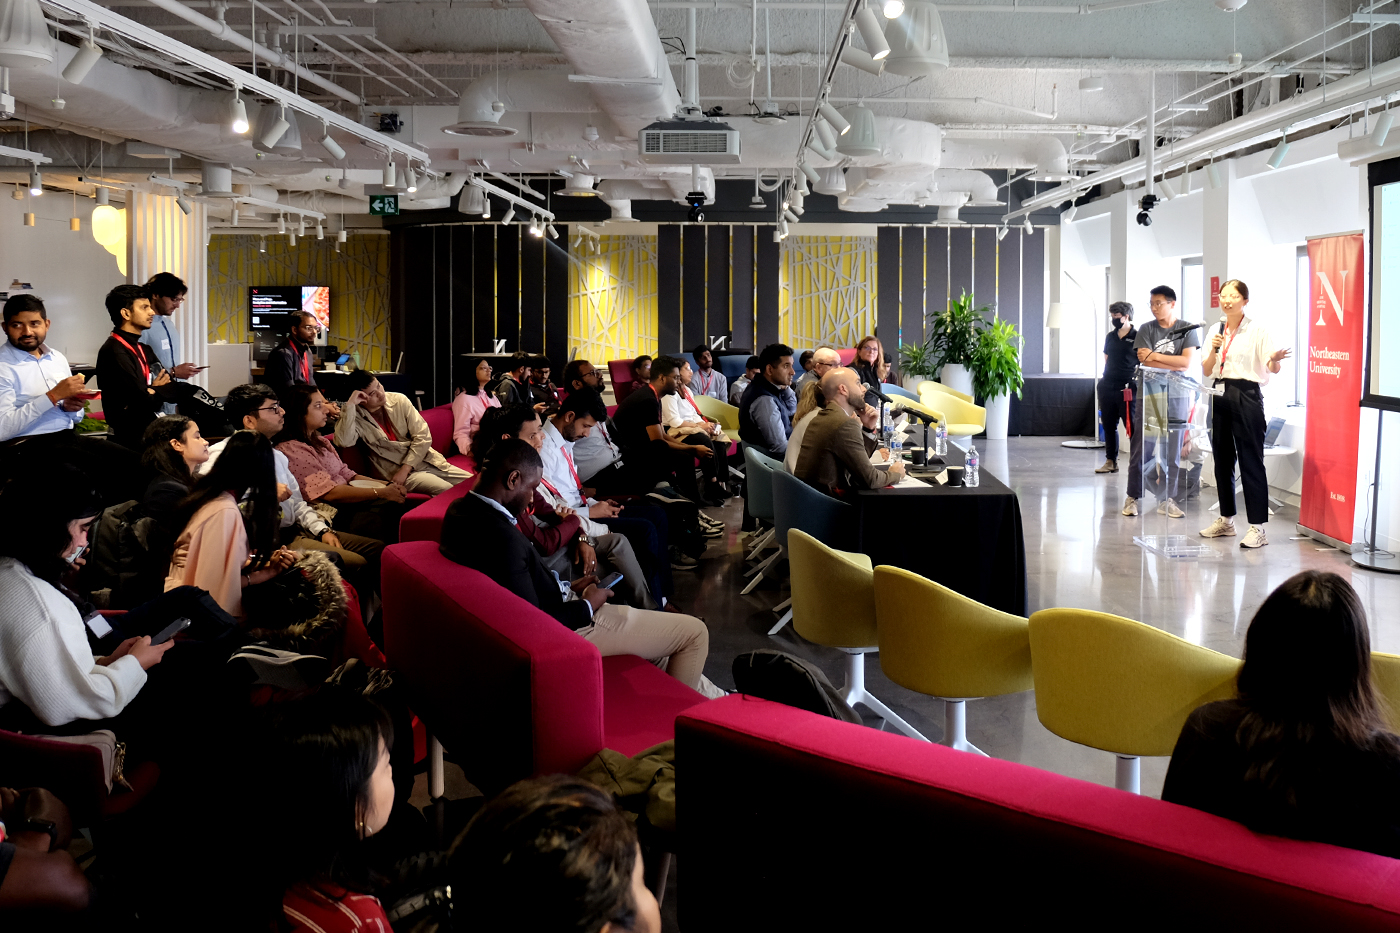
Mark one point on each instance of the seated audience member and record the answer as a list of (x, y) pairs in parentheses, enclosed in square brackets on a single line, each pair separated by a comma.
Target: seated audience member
[(396, 438), (569, 540), (835, 454), (300, 527), (581, 373), (641, 372), (175, 450), (736, 391), (551, 853), (127, 370), (684, 420), (809, 402), (824, 360), (47, 668), (804, 364), (470, 404), (871, 366), (1304, 750), (40, 403), (328, 785), (542, 391), (367, 516), (514, 388), (479, 532), (652, 455), (221, 547), (707, 380), (37, 875), (765, 411)]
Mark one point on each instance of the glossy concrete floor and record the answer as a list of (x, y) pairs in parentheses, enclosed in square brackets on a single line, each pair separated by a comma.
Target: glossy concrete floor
[(1079, 552)]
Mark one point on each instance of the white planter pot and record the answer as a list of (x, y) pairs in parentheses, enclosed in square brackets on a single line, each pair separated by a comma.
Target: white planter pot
[(912, 383), (998, 415), (956, 376)]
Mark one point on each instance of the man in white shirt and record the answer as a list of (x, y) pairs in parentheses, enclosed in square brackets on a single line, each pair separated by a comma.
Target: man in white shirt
[(707, 380), (681, 418), (751, 369), (167, 294), (255, 408)]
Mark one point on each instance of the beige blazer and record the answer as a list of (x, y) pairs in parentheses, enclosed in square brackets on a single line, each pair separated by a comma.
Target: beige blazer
[(414, 445)]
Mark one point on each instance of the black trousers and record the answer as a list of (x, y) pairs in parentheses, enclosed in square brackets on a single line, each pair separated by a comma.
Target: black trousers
[(1237, 435), (1112, 410)]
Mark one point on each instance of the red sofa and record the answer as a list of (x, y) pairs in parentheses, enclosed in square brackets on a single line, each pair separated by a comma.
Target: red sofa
[(789, 820), (424, 523), (505, 688)]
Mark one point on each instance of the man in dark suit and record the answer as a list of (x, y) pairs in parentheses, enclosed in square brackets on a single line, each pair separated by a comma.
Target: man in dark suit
[(835, 454), (479, 531)]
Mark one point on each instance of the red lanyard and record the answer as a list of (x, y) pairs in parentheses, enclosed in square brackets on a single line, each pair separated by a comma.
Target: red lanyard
[(691, 399), (306, 366), (1225, 351), (572, 472), (705, 382), (550, 486), (140, 356)]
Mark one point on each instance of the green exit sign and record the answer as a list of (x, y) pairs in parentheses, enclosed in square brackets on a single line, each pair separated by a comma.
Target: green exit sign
[(382, 205)]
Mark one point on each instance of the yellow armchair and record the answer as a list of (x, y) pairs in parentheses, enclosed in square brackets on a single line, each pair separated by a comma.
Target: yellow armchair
[(724, 413), (963, 418), (1385, 675), (946, 390), (1121, 686)]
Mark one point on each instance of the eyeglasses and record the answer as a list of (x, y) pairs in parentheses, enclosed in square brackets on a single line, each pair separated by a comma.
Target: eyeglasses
[(275, 407)]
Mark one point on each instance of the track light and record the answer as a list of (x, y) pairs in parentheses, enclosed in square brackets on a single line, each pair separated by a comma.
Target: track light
[(1001, 233), (1213, 175), (237, 114), (291, 239), (1280, 152), (81, 63), (806, 174), (1382, 129), (534, 227), (233, 216), (823, 152), (410, 180), (183, 203), (36, 183), (553, 234), (276, 130), (1068, 215), (341, 237), (509, 215), (790, 217), (1167, 188), (871, 33), (833, 117), (320, 231), (1028, 226), (782, 229), (856, 58), (262, 244), (301, 225), (390, 175), (777, 236), (281, 223), (893, 9), (332, 147)]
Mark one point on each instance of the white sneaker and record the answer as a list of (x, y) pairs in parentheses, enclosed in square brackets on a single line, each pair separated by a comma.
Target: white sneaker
[(1171, 509), (1130, 506), (1219, 527), (1255, 537)]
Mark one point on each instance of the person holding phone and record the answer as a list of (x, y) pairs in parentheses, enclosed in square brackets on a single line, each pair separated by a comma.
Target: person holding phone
[(168, 292)]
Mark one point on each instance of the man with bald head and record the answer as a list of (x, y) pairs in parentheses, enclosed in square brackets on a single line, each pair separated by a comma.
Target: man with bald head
[(836, 449), (824, 360)]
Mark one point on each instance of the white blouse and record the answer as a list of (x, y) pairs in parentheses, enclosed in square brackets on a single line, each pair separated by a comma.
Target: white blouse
[(1245, 353)]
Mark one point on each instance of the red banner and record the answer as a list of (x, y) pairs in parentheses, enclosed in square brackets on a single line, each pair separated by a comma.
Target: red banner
[(1336, 338)]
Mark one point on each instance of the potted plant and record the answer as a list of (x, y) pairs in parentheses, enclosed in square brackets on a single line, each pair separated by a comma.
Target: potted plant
[(996, 373), (952, 338), (917, 363)]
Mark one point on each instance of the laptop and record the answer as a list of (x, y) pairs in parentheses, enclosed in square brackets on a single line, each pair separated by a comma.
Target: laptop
[(1273, 431)]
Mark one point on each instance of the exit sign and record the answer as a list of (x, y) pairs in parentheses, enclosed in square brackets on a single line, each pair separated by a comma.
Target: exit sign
[(382, 205)]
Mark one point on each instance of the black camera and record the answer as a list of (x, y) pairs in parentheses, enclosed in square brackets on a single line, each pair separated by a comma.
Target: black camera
[(1149, 201), (696, 200)]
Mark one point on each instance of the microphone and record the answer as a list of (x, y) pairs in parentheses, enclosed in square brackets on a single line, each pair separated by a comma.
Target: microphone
[(1180, 329), (925, 417), (878, 394)]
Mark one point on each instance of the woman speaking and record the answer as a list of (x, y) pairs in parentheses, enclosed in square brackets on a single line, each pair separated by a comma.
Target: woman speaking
[(1241, 357)]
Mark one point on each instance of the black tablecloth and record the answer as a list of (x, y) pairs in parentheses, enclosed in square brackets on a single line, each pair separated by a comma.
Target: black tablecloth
[(968, 539), (1054, 405)]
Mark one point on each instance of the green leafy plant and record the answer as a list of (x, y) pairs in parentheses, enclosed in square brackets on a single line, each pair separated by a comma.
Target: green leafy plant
[(953, 333), (918, 360), (996, 361)]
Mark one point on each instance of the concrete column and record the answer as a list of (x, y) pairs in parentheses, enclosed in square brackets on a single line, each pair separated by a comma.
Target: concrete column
[(1053, 267), (162, 238), (1215, 234)]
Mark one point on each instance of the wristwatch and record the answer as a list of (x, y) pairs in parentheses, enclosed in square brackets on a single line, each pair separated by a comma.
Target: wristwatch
[(37, 826)]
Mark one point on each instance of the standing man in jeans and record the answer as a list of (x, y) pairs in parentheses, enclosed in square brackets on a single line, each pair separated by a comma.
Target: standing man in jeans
[(1159, 347), (1119, 362)]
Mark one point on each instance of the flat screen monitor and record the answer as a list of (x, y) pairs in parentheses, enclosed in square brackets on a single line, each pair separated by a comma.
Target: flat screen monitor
[(270, 305)]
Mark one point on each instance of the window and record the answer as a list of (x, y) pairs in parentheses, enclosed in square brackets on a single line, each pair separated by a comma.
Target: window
[(1191, 296)]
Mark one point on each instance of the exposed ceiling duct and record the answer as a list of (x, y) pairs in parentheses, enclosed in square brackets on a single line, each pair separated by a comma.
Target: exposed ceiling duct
[(481, 105)]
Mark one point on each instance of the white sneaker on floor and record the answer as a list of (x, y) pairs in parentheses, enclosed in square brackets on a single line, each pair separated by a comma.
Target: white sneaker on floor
[(1130, 506), (1255, 537), (1171, 509), (1218, 528)]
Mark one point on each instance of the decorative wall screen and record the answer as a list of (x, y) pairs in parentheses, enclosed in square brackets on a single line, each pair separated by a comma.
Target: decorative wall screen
[(828, 290), (613, 298)]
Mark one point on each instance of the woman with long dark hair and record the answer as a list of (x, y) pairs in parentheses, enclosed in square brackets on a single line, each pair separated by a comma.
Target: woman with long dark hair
[(230, 524), (1304, 750), (470, 404), (174, 450), (46, 663)]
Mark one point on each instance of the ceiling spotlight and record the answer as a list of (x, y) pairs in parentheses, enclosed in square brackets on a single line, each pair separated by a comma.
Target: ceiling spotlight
[(1382, 129), (856, 58), (341, 237), (410, 180), (1068, 215), (893, 8), (1001, 233), (590, 133), (262, 244), (81, 63), (36, 183), (275, 129), (534, 227), (233, 216), (833, 117), (281, 223), (390, 175), (1028, 226), (183, 203), (1166, 187), (871, 33), (333, 148), (1280, 152), (777, 236), (320, 231), (782, 229), (1091, 84), (509, 215), (757, 203), (553, 234), (301, 225), (237, 114), (1213, 175), (291, 239)]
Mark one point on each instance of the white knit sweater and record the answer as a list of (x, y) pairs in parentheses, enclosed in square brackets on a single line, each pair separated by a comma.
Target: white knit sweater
[(45, 660)]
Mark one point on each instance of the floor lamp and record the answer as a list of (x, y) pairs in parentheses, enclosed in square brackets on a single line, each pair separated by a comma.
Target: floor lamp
[(1055, 319)]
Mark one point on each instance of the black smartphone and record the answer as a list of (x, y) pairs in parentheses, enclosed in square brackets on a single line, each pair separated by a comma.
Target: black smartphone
[(170, 631), (610, 582)]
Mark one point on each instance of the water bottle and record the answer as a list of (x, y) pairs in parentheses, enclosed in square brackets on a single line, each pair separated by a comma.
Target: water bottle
[(887, 431), (940, 440), (970, 475), (896, 446)]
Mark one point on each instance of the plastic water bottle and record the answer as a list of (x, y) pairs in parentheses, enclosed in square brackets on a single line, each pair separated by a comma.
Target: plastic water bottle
[(887, 431), (940, 440), (896, 446), (970, 476)]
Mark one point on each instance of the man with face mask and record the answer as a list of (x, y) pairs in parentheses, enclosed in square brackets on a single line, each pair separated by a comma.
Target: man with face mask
[(1119, 361)]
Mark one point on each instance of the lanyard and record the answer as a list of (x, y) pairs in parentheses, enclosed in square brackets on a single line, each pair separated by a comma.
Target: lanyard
[(705, 382), (550, 486), (1225, 350), (572, 472), (691, 399), (305, 363), (140, 357)]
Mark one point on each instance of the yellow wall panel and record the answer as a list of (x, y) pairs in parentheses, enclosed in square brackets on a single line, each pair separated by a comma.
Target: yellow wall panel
[(826, 290), (612, 298)]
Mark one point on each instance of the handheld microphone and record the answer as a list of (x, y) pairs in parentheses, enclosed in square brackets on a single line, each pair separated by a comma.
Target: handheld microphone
[(878, 394)]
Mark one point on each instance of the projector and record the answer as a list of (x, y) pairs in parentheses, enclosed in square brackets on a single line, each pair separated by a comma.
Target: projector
[(684, 142)]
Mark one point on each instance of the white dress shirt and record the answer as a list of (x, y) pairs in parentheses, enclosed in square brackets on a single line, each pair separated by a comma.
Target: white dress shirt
[(163, 339), (25, 409), (559, 486), (1245, 354), (595, 451), (679, 409), (295, 510)]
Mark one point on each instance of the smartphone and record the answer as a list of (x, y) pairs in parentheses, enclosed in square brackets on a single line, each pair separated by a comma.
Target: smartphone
[(170, 631), (73, 558), (610, 582)]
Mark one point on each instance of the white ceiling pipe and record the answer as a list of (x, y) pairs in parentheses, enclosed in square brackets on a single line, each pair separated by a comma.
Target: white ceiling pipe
[(423, 204), (325, 202), (681, 186), (982, 191), (1043, 153), (614, 189), (522, 92), (613, 39)]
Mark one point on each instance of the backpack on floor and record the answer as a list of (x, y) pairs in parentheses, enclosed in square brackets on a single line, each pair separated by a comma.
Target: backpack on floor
[(785, 678)]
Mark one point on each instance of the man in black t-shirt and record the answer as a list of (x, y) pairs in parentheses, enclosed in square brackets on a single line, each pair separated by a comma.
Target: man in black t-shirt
[(649, 452), (1159, 345), (1119, 361)]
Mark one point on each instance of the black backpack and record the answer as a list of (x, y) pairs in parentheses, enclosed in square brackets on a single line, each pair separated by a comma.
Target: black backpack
[(123, 563), (785, 678)]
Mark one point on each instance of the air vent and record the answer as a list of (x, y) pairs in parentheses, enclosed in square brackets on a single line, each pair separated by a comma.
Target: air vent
[(682, 142)]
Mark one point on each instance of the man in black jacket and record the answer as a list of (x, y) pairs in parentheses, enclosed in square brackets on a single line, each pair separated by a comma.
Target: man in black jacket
[(480, 532), (128, 372)]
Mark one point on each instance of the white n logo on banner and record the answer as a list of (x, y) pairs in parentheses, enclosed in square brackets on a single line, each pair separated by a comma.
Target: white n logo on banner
[(1332, 297)]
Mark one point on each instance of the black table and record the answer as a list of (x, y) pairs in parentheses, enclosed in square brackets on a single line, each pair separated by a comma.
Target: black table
[(1054, 405), (968, 539)]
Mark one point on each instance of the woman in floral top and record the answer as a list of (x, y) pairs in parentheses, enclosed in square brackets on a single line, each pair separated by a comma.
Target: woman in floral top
[(363, 505)]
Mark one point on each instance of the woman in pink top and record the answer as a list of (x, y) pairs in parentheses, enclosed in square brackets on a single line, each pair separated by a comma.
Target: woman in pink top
[(224, 547), (468, 408)]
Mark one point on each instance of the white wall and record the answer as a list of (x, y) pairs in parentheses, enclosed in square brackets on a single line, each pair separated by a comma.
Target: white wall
[(68, 270)]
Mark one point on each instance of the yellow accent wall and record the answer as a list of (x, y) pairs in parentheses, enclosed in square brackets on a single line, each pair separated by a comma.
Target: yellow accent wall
[(826, 290), (358, 277), (612, 298)]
